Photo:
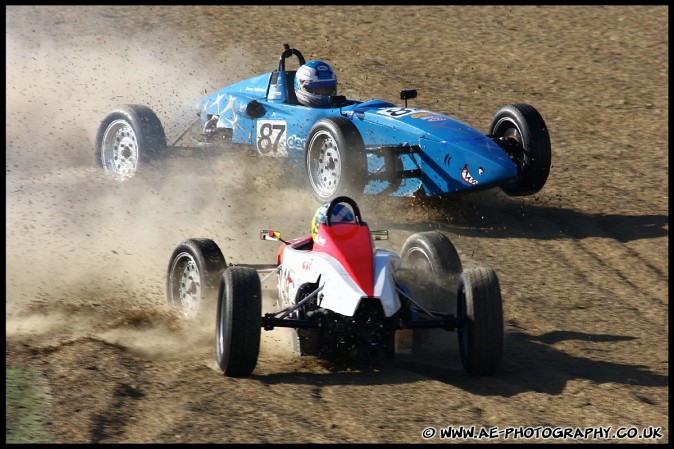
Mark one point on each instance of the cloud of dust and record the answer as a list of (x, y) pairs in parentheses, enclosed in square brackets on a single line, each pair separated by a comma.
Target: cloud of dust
[(88, 257)]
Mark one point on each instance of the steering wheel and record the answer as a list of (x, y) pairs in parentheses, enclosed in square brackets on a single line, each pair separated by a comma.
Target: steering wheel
[(288, 52), (350, 202)]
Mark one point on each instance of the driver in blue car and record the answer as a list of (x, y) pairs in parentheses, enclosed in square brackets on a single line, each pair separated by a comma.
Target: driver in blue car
[(315, 82)]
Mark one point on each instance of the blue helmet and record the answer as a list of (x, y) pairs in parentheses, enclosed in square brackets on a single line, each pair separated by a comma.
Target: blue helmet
[(315, 81), (340, 214)]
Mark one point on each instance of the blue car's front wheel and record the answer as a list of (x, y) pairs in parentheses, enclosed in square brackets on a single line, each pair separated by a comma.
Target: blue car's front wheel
[(335, 160), (522, 133)]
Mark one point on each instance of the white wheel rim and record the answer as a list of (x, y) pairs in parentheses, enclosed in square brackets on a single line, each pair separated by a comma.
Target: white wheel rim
[(119, 150), (187, 291), (324, 164)]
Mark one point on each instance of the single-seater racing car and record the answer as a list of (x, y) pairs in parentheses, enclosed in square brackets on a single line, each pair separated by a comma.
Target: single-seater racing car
[(340, 296), (346, 147)]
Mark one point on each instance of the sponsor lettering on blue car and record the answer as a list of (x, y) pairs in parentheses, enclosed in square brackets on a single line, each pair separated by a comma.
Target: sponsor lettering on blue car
[(295, 142)]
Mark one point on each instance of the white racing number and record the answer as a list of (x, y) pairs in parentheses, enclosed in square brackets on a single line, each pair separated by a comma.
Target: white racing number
[(271, 138), (398, 112)]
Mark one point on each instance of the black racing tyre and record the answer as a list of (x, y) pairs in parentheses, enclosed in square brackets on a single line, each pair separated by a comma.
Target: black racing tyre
[(239, 321), (127, 138), (193, 277), (522, 133), (429, 271), (481, 339), (430, 268), (335, 162)]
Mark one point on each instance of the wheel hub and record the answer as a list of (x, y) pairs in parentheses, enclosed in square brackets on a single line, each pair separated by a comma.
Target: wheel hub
[(125, 153), (189, 290), (120, 150), (328, 169)]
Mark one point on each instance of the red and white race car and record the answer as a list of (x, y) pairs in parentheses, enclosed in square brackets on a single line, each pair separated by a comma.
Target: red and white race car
[(340, 295)]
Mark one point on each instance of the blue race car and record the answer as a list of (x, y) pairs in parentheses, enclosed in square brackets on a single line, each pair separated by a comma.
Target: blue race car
[(346, 147)]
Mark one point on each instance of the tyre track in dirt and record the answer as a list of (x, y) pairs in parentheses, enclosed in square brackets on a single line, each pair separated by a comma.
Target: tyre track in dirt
[(598, 257)]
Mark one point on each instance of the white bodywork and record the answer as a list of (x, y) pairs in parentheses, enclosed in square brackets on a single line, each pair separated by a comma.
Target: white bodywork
[(339, 293)]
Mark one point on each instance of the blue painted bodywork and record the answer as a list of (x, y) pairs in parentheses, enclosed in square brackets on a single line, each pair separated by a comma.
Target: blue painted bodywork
[(454, 157)]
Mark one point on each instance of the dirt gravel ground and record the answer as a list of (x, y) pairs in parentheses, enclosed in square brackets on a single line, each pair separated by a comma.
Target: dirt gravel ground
[(583, 264)]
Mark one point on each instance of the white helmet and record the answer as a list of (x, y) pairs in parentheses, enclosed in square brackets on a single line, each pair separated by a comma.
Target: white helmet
[(315, 81)]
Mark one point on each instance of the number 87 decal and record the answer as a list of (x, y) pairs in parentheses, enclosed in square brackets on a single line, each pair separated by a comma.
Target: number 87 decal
[(271, 137)]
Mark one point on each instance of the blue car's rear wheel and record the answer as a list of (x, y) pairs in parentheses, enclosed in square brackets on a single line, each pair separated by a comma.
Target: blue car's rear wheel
[(335, 160), (521, 131), (127, 137)]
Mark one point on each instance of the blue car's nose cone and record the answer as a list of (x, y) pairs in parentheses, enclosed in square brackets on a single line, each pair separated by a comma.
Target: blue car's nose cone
[(453, 166), (454, 156)]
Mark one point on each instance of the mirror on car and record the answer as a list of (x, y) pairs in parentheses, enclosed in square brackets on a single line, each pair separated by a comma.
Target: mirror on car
[(379, 234), (408, 94), (267, 234)]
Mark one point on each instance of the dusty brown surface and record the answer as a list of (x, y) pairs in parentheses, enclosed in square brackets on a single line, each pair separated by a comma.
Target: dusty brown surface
[(583, 264)]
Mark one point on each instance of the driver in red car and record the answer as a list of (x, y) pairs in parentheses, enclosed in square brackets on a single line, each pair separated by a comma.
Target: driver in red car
[(315, 82), (340, 214)]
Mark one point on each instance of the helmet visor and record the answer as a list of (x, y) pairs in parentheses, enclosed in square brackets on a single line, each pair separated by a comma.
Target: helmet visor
[(322, 90)]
